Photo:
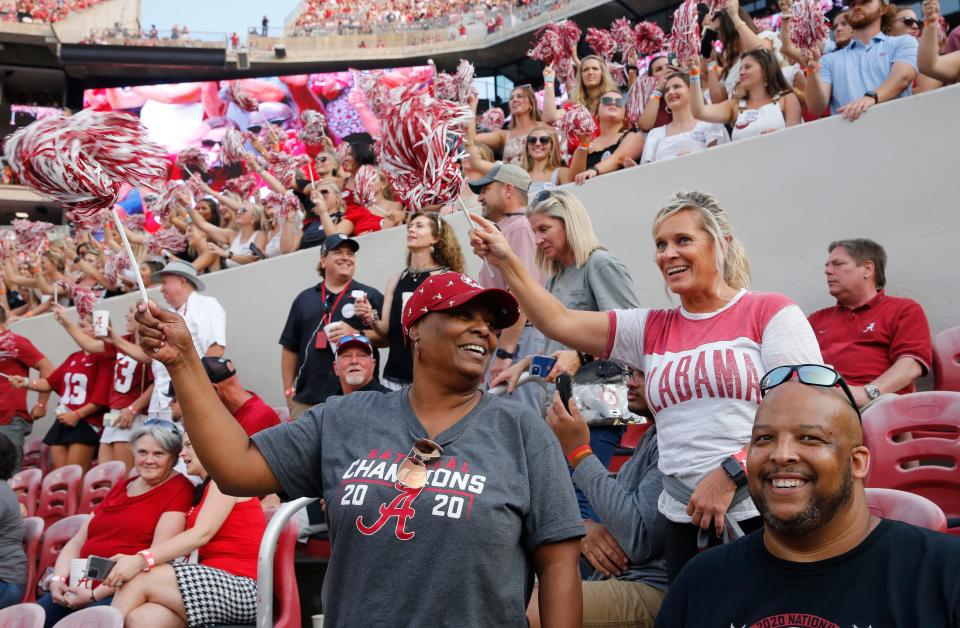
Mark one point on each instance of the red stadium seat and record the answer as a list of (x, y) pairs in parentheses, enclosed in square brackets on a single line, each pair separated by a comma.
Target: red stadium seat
[(97, 483), (628, 442), (32, 531), (26, 484), (59, 493), (23, 616), (946, 360), (92, 617), (287, 605), (934, 420), (36, 455), (889, 503), (55, 538)]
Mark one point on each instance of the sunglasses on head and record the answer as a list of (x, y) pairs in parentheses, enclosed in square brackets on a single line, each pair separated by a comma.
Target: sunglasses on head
[(541, 196), (413, 470), (613, 100), (533, 140), (910, 21), (170, 426), (809, 374)]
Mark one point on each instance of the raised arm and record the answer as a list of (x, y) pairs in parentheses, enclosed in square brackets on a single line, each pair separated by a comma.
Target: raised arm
[(817, 91), (787, 49), (84, 341), (721, 113), (550, 113), (944, 68), (215, 233), (748, 39)]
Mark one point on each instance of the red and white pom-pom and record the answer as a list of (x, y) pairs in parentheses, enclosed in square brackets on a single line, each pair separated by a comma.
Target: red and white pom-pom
[(284, 205), (555, 46), (314, 129), (457, 87), (193, 184), (637, 98), (192, 160), (343, 151), (578, 121), (81, 161), (86, 224), (273, 135), (685, 34), (243, 186), (602, 42), (379, 96), (239, 96), (31, 237), (623, 34), (650, 38), (115, 266), (570, 33), (169, 239), (809, 26), (134, 222), (84, 298), (8, 346), (366, 182), (421, 140), (493, 119), (163, 204), (232, 150), (286, 167), (619, 73)]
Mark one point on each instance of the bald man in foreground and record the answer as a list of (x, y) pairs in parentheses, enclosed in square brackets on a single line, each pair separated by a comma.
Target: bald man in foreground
[(821, 559)]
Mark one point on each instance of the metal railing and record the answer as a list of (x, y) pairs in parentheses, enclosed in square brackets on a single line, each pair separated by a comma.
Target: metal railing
[(268, 549)]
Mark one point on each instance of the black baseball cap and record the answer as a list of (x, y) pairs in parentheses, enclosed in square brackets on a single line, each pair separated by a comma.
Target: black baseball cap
[(336, 241), (218, 369)]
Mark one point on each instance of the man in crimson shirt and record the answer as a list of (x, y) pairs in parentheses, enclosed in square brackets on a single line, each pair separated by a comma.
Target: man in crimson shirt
[(879, 343), (17, 357), (250, 411)]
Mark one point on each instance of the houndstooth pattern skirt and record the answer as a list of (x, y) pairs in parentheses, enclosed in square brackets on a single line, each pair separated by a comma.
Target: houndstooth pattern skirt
[(213, 596)]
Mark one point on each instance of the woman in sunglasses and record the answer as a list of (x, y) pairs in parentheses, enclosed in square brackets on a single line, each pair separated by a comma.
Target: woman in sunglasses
[(326, 200), (907, 23), (685, 134), (541, 160), (616, 147), (442, 500), (511, 141), (385, 212), (703, 360)]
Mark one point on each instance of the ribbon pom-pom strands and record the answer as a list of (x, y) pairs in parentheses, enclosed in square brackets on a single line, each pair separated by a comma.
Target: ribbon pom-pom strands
[(284, 205), (232, 150), (84, 298), (166, 239), (192, 160), (602, 41), (457, 87), (578, 121), (809, 26), (555, 47), (314, 128), (493, 119), (286, 167), (31, 237), (638, 96), (365, 182), (623, 34), (114, 268), (243, 186), (239, 96), (685, 35), (649, 38)]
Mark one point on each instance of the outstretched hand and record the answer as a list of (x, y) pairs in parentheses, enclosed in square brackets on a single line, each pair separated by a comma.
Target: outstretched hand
[(163, 334), (488, 242)]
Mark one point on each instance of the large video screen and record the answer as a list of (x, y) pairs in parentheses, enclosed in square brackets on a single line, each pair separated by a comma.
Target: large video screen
[(185, 115)]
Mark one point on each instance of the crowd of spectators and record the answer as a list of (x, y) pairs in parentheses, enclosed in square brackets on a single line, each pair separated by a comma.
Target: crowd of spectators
[(41, 10), (717, 464)]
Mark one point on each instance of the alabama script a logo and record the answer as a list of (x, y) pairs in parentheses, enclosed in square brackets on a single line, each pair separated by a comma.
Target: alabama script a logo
[(401, 507)]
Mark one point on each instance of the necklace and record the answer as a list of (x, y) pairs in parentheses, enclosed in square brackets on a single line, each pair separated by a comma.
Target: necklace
[(417, 273)]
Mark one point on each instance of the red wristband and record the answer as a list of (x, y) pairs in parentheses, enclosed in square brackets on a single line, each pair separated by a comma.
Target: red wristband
[(148, 556), (577, 452)]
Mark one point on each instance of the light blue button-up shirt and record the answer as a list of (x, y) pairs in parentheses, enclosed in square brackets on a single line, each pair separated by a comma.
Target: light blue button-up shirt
[(856, 69)]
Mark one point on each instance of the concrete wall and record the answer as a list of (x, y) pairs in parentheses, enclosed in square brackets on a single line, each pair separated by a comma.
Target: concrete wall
[(79, 24), (887, 176)]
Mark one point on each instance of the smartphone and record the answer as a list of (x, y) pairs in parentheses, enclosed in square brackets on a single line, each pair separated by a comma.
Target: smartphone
[(541, 365), (256, 251), (98, 568), (565, 388)]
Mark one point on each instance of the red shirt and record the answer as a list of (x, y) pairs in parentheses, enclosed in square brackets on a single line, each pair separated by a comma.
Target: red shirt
[(84, 378), (364, 221), (20, 357), (130, 378), (125, 525), (864, 342), (235, 546), (255, 415)]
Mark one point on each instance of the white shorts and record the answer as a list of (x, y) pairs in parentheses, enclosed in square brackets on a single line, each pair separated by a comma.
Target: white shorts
[(120, 434)]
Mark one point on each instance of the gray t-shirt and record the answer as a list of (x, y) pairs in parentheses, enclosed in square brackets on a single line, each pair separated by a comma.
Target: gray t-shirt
[(455, 555), (13, 562)]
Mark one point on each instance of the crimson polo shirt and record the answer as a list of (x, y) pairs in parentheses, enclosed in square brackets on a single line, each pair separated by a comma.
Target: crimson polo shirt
[(255, 415), (19, 357), (863, 342)]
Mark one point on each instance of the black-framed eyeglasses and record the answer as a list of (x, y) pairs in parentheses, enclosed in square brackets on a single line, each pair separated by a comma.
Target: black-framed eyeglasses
[(170, 426), (413, 470), (544, 140), (542, 196), (809, 374), (619, 101), (910, 21)]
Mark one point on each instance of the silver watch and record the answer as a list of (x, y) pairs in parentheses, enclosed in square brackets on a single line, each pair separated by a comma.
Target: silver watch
[(872, 391)]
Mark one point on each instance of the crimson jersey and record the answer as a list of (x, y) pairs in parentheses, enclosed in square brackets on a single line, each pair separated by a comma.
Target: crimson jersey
[(84, 378), (17, 356), (130, 378)]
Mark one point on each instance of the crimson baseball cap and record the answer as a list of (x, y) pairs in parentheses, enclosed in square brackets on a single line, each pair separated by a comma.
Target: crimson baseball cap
[(446, 291)]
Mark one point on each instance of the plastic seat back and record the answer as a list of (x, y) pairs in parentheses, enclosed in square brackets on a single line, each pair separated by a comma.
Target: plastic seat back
[(286, 592), (55, 538), (36, 455), (26, 485), (633, 434), (889, 503), (946, 360), (92, 617), (933, 419), (32, 531), (60, 493), (23, 616), (97, 484)]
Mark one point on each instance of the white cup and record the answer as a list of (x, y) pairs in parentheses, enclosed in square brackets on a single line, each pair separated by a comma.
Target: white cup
[(317, 621), (357, 294), (101, 321), (78, 567), (332, 327)]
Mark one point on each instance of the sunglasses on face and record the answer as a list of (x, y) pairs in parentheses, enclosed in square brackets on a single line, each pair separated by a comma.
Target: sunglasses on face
[(323, 159), (413, 470), (533, 140), (613, 100), (910, 21), (255, 129), (242, 211), (209, 143), (809, 374)]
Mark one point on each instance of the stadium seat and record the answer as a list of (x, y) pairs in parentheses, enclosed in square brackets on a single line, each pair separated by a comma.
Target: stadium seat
[(36, 455), (60, 493), (946, 360), (628, 442), (93, 617), (97, 484), (287, 606), (55, 538), (283, 412), (26, 484), (32, 531), (934, 420), (889, 503), (22, 616)]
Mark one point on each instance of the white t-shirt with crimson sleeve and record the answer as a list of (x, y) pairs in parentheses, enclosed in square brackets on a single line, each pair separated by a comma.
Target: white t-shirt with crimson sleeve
[(703, 377)]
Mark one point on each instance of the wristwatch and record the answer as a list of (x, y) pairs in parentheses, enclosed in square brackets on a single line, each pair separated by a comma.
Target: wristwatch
[(504, 354), (733, 469), (872, 391), (873, 94)]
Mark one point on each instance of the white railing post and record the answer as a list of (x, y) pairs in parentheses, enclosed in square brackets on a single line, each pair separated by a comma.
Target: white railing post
[(268, 548)]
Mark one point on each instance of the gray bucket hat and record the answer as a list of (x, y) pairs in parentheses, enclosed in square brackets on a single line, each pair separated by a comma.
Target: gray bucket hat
[(182, 269)]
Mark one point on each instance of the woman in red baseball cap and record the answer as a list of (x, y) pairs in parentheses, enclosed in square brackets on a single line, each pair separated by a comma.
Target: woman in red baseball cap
[(442, 500)]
